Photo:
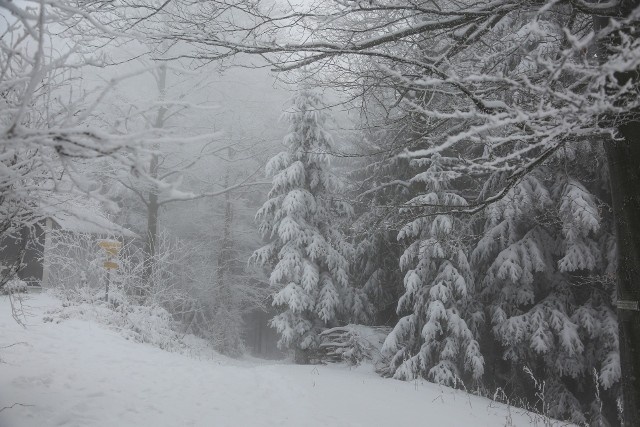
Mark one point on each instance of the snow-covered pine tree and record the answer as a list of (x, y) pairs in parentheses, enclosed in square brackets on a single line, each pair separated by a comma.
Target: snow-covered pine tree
[(307, 253), (382, 182), (435, 339), (544, 265)]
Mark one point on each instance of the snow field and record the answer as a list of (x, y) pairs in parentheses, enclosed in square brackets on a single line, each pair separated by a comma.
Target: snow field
[(78, 373)]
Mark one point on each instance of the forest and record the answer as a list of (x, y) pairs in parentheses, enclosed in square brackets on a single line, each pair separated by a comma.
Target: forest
[(445, 191)]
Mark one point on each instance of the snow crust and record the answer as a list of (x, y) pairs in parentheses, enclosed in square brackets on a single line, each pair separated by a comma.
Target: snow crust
[(77, 373)]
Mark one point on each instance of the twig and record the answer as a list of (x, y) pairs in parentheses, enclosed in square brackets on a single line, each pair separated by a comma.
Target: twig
[(11, 345), (15, 404)]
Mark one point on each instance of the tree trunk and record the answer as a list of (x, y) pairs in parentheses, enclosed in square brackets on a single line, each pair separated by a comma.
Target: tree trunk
[(152, 227), (623, 159), (624, 170), (229, 337), (153, 207), (224, 257)]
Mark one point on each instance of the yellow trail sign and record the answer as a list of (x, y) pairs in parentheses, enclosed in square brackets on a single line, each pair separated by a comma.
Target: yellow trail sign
[(112, 247), (110, 244), (110, 265)]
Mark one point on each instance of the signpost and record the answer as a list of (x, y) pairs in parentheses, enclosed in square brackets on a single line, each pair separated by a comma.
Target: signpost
[(112, 249)]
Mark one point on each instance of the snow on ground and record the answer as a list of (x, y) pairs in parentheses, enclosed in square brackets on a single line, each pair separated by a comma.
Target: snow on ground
[(77, 373)]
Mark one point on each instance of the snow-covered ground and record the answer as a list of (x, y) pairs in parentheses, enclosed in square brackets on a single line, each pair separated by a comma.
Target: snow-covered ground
[(79, 373)]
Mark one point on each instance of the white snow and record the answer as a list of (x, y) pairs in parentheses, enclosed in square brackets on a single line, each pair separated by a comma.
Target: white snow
[(80, 215), (77, 373)]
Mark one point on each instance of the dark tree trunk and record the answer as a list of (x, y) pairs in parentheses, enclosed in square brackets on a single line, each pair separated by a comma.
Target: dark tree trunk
[(623, 159), (624, 170)]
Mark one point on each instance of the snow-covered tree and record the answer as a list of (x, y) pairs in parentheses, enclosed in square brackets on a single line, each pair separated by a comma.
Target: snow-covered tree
[(45, 114), (436, 340), (307, 253), (379, 182), (544, 265), (534, 75)]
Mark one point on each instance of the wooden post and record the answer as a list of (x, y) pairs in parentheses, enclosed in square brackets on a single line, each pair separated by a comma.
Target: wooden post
[(106, 292), (48, 227), (111, 248)]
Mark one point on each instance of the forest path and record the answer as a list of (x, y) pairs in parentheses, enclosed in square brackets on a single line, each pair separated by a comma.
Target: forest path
[(79, 374)]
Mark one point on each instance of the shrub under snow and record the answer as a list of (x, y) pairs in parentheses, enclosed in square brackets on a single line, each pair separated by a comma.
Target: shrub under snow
[(146, 324), (353, 344), (14, 286)]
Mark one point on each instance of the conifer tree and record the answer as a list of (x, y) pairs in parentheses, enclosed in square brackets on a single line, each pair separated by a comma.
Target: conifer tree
[(542, 265), (307, 253), (434, 340)]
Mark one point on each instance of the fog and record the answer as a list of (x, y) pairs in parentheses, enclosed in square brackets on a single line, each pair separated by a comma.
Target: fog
[(299, 203)]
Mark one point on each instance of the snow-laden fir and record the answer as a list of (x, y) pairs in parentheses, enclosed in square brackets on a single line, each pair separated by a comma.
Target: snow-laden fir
[(307, 255)]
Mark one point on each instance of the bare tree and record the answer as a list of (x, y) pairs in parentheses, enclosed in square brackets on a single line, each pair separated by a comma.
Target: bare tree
[(45, 126)]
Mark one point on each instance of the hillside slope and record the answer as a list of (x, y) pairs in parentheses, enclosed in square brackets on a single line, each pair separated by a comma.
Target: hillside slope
[(77, 373)]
